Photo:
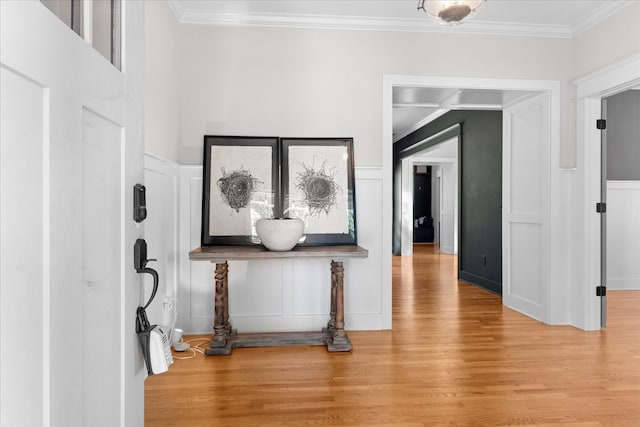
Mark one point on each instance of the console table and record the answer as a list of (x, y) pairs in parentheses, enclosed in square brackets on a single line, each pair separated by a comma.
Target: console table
[(225, 339)]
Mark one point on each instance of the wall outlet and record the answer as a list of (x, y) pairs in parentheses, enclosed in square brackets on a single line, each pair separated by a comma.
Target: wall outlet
[(167, 303)]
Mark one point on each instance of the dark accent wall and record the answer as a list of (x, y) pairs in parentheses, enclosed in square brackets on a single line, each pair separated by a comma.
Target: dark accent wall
[(623, 136), (480, 182)]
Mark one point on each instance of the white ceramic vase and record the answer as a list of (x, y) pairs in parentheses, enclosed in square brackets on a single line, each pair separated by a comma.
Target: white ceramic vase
[(280, 234)]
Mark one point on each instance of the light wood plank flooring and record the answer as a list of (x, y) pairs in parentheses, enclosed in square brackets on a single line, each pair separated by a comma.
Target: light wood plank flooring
[(455, 357)]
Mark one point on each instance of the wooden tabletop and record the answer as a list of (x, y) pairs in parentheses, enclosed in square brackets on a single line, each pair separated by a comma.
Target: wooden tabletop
[(215, 253)]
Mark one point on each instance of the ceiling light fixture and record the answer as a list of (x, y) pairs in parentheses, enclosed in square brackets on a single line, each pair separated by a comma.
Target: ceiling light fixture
[(449, 12)]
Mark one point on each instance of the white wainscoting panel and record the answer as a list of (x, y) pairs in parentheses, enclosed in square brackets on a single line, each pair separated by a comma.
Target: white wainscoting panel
[(525, 198), (623, 235), (284, 295), (161, 178)]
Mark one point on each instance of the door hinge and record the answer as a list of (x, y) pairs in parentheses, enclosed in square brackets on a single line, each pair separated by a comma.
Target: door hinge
[(601, 207), (601, 291), (601, 124)]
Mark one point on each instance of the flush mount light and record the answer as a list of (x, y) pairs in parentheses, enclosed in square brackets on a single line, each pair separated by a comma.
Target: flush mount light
[(449, 12)]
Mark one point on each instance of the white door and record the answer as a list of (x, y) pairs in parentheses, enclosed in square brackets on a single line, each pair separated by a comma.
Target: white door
[(525, 201), (71, 151)]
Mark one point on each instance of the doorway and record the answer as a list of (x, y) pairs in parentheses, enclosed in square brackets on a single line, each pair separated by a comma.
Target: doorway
[(443, 159), (517, 257), (621, 193), (478, 144), (590, 91)]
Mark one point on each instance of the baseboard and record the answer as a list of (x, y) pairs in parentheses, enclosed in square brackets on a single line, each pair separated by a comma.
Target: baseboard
[(626, 284), (481, 282)]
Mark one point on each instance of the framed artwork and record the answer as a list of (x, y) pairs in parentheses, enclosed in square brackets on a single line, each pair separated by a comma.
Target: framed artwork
[(318, 186), (240, 185)]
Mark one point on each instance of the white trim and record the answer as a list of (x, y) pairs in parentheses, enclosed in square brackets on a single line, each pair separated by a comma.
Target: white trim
[(432, 137), (46, 256), (124, 267), (609, 80), (590, 90), (87, 21), (155, 157), (431, 117), (598, 16), (623, 185), (406, 212), (419, 160), (368, 172), (366, 23)]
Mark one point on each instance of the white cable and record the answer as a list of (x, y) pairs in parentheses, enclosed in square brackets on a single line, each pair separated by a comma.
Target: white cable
[(194, 349)]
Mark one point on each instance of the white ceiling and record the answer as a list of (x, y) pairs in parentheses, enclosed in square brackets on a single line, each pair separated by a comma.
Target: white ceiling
[(542, 18), (413, 107)]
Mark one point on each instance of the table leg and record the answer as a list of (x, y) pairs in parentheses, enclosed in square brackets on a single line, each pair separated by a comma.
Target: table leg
[(340, 340), (225, 285), (221, 325), (331, 325)]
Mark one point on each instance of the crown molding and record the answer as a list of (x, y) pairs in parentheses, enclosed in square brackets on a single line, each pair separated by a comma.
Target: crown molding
[(599, 15), (363, 23), (177, 9)]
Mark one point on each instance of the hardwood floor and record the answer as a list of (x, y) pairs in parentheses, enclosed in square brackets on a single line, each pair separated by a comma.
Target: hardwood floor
[(455, 357)]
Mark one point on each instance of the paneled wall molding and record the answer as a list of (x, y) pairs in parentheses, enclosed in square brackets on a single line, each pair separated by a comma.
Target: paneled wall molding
[(284, 295), (623, 229)]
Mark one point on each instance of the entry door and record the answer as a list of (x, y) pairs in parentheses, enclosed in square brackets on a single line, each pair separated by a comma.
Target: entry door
[(525, 201), (71, 152)]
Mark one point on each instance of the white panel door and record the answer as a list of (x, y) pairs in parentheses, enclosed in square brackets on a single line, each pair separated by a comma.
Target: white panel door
[(525, 201), (71, 152)]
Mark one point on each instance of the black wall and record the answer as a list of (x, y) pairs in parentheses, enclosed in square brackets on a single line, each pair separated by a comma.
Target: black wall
[(480, 182), (623, 136)]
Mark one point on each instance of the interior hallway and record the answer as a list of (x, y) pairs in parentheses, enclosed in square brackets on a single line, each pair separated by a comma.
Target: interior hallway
[(455, 356)]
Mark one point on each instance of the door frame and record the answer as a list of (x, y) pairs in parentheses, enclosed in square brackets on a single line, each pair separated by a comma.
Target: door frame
[(557, 243), (406, 248), (590, 90)]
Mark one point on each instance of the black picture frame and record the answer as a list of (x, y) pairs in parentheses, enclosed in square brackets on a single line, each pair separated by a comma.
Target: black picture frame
[(240, 185), (318, 186)]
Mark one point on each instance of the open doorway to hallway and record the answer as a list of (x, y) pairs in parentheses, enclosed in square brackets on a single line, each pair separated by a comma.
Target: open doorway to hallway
[(433, 219), (470, 159), (531, 128)]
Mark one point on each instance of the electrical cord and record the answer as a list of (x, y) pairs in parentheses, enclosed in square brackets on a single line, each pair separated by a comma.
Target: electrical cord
[(193, 349)]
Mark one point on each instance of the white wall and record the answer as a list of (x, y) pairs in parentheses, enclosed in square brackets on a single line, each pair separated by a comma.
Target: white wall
[(304, 82), (623, 235), (162, 112), (607, 42), (449, 241), (407, 208)]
